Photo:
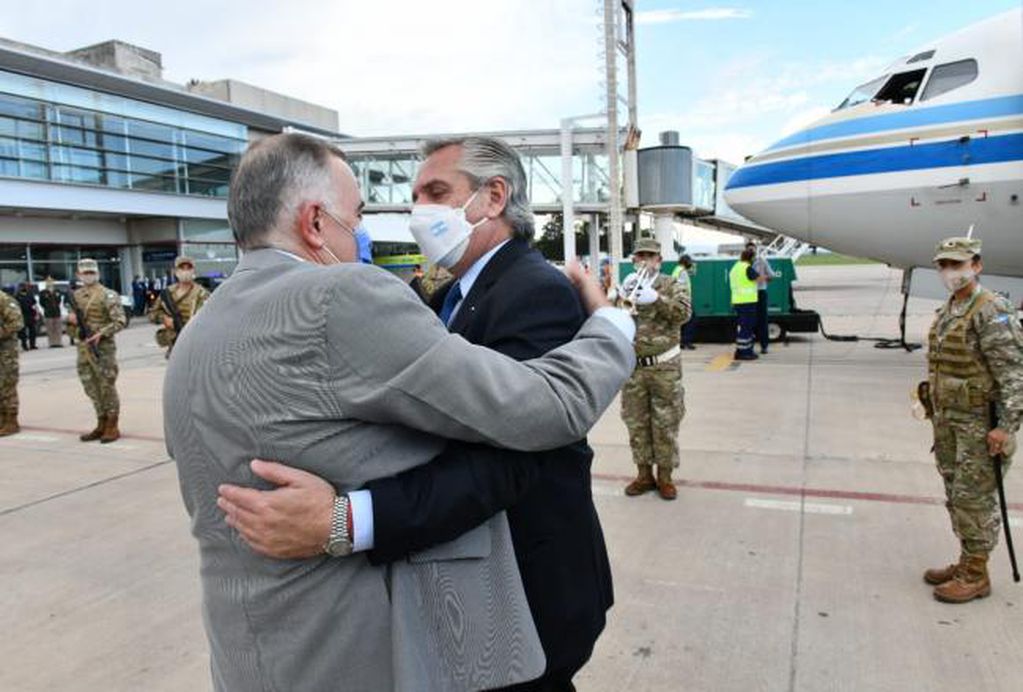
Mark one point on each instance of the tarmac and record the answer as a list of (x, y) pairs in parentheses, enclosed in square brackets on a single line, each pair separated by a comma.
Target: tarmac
[(808, 509)]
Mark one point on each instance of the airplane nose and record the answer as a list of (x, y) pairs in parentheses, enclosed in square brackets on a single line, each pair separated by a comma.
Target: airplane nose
[(759, 191)]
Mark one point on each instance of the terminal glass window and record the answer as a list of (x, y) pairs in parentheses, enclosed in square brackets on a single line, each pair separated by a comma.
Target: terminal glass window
[(71, 143), (951, 76)]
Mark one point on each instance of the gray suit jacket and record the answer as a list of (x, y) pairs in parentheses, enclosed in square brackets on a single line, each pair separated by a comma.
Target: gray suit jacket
[(342, 371)]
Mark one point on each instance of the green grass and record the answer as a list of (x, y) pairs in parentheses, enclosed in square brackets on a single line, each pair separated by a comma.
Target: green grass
[(811, 260)]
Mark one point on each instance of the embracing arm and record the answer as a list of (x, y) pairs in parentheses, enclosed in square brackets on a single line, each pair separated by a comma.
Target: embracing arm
[(394, 362)]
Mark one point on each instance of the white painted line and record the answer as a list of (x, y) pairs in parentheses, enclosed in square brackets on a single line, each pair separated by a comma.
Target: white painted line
[(31, 437), (1015, 522), (796, 506), (607, 490)]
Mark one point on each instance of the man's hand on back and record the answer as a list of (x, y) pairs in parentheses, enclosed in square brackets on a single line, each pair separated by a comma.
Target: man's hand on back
[(289, 522)]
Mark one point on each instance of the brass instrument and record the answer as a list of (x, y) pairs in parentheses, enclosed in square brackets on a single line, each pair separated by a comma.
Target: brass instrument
[(644, 278)]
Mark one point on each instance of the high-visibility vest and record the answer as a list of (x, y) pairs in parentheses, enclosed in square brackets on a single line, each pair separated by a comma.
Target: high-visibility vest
[(744, 289), (681, 276)]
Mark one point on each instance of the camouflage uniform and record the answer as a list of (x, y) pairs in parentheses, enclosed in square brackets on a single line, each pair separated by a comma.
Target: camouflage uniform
[(436, 277), (11, 323), (188, 299), (653, 399), (104, 315), (975, 357)]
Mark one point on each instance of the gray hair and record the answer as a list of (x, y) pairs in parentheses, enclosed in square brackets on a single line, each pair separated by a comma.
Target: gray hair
[(274, 177), (484, 158)]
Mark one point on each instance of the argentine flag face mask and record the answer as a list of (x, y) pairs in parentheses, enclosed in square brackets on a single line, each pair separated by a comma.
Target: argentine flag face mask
[(442, 232)]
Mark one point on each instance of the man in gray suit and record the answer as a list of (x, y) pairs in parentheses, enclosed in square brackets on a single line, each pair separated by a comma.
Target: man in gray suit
[(305, 355)]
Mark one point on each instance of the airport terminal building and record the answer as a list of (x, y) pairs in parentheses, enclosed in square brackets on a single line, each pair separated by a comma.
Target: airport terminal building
[(100, 157)]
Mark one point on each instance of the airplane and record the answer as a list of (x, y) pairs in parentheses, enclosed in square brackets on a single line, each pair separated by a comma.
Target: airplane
[(924, 151)]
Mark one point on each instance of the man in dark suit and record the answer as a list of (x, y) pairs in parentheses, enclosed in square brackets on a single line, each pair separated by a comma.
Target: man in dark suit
[(516, 303)]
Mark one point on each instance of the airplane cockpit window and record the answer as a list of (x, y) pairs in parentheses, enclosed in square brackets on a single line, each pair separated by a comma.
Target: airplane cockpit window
[(862, 93), (950, 76), (902, 87), (920, 57)]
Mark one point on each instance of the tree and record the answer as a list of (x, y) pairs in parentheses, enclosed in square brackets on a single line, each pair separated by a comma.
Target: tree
[(551, 241)]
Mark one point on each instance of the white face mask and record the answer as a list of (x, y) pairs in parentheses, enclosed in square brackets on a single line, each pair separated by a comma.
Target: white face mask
[(89, 279), (956, 279), (442, 231), (185, 275)]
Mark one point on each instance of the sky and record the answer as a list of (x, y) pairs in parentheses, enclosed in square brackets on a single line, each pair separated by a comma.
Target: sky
[(731, 77)]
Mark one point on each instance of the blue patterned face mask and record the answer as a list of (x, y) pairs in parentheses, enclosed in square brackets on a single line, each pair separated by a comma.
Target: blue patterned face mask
[(365, 244)]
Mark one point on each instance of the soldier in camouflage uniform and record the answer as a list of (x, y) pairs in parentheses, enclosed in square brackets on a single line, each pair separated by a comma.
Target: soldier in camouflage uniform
[(975, 358), (186, 295), (653, 400), (11, 323), (97, 354)]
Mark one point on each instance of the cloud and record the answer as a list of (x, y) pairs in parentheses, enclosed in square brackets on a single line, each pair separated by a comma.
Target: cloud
[(755, 99), (412, 68), (709, 14)]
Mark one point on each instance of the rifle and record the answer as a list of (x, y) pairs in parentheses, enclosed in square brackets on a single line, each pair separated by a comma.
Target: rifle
[(172, 309), (999, 463), (84, 333)]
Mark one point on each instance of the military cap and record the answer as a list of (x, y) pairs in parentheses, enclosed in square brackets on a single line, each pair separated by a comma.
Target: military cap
[(183, 260), (957, 249), (87, 264), (647, 245)]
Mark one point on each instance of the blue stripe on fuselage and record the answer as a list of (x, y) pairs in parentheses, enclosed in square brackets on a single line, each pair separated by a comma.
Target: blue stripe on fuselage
[(893, 159), (914, 116)]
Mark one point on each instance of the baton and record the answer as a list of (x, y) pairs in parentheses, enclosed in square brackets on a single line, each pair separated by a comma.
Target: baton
[(999, 462)]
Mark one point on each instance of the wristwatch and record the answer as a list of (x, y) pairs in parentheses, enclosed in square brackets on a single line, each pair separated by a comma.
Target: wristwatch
[(340, 542)]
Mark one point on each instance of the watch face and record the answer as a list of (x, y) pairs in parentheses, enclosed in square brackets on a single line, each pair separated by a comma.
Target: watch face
[(339, 547)]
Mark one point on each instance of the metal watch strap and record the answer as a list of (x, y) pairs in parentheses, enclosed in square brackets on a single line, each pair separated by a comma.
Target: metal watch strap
[(339, 522)]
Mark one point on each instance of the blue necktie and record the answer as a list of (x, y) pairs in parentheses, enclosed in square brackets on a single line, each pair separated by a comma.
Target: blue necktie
[(451, 300)]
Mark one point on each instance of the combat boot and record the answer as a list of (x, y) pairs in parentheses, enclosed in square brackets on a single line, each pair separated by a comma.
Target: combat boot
[(97, 432), (9, 424), (110, 431), (940, 575), (665, 488), (644, 481), (970, 582)]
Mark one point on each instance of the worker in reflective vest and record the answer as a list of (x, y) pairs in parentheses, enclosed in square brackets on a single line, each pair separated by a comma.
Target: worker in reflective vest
[(743, 281)]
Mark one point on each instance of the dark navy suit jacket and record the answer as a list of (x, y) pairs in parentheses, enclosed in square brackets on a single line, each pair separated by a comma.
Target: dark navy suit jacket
[(523, 307)]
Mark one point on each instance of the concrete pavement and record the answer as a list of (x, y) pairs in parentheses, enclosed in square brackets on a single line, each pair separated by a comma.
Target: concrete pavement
[(807, 510)]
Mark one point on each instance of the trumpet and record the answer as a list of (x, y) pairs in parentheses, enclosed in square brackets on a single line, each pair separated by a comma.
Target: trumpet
[(644, 278)]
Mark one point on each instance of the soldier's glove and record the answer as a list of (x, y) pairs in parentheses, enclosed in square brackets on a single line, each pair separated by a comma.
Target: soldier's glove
[(646, 295)]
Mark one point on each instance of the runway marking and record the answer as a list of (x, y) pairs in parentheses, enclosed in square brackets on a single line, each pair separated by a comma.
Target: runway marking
[(1015, 522), (794, 506), (801, 492), (722, 362), (87, 486), (76, 433), (29, 437)]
